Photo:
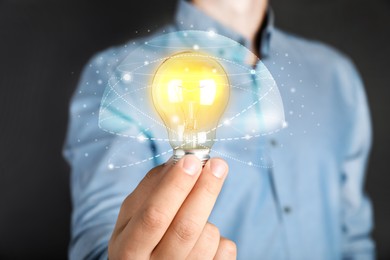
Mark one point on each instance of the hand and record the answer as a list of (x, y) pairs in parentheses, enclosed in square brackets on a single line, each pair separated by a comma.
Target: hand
[(166, 215)]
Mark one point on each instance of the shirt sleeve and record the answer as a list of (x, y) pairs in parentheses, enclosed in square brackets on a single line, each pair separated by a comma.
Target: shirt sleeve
[(97, 191), (357, 216)]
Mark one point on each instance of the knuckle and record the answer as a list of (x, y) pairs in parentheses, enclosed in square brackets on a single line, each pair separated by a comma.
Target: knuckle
[(149, 175), (126, 202), (128, 199), (211, 189), (229, 247), (178, 187), (153, 218), (211, 232), (153, 172), (186, 230)]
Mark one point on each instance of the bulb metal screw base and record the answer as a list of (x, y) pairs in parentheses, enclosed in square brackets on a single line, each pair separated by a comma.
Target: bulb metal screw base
[(202, 154)]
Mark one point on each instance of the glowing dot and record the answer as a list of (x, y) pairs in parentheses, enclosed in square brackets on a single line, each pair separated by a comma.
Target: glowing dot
[(214, 71), (281, 68), (141, 138), (291, 112), (100, 81), (196, 47), (226, 122), (253, 72), (292, 90), (110, 166), (247, 137), (211, 33), (146, 62), (86, 154), (186, 69), (85, 105), (250, 163), (146, 43), (127, 77), (284, 124), (97, 72), (286, 54)]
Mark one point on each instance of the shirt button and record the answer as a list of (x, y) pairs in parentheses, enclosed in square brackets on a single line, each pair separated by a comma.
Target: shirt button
[(287, 209), (273, 142)]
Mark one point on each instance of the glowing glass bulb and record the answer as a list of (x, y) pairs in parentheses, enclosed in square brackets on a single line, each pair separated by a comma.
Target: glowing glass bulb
[(190, 92)]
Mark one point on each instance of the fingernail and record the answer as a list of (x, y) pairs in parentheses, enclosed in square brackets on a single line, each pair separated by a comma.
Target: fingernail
[(218, 168), (191, 164)]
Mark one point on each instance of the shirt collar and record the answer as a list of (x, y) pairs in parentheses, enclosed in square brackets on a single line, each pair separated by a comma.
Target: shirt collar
[(189, 17)]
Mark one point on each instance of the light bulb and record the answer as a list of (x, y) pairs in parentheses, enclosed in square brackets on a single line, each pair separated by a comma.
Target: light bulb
[(190, 92)]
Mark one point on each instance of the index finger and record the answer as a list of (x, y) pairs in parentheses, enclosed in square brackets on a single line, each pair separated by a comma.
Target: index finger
[(133, 202), (149, 224)]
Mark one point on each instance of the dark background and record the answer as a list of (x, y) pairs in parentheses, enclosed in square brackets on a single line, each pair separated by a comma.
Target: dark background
[(43, 47)]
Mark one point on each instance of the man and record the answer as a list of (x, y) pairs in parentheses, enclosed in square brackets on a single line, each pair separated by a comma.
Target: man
[(309, 205)]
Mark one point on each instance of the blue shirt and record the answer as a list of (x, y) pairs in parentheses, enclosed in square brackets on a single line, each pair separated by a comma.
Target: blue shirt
[(309, 204)]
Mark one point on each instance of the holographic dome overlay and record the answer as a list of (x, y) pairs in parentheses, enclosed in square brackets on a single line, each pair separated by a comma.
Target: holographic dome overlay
[(255, 107)]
